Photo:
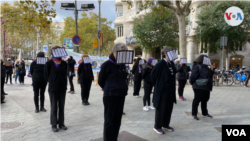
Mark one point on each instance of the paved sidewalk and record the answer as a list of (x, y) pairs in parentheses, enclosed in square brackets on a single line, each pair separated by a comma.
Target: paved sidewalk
[(19, 122)]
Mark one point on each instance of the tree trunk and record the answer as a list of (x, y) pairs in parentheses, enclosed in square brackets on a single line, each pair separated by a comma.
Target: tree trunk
[(182, 35)]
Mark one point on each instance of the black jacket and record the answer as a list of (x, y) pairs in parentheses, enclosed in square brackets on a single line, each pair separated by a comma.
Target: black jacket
[(9, 69), (3, 69), (21, 69), (57, 77), (71, 65), (37, 72), (113, 78), (135, 72), (88, 74), (183, 72), (146, 75), (205, 73), (160, 75)]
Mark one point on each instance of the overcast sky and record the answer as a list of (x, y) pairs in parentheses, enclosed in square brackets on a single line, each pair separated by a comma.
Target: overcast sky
[(107, 9)]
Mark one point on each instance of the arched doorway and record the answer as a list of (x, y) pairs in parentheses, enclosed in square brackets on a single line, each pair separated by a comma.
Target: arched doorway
[(138, 51), (236, 62)]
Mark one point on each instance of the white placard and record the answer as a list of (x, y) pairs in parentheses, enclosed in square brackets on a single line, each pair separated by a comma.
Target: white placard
[(169, 56), (125, 57), (183, 60), (206, 61), (141, 62), (87, 60), (154, 62), (59, 52), (41, 60)]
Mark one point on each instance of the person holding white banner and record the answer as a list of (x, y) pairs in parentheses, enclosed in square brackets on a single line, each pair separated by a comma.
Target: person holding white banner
[(202, 81)]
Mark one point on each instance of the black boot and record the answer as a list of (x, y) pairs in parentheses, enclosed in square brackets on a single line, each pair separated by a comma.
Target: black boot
[(84, 103), (54, 128), (62, 126), (87, 103), (37, 110), (5, 94), (43, 109), (3, 102)]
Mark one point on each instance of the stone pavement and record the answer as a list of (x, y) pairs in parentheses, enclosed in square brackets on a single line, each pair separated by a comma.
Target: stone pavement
[(19, 122)]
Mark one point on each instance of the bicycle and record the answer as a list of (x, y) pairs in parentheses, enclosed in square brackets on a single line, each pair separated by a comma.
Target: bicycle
[(240, 77)]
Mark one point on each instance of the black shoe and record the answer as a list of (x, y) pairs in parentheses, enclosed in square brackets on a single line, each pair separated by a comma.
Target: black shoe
[(84, 103), (195, 117), (5, 94), (123, 113), (37, 110), (62, 126), (3, 102), (87, 103), (43, 109), (54, 128), (209, 116)]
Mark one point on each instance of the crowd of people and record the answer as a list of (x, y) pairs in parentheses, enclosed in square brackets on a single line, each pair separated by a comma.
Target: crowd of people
[(113, 79)]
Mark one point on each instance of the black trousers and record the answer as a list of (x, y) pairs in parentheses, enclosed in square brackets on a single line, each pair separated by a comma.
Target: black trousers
[(9, 75), (164, 111), (71, 83), (57, 102), (147, 91), (39, 86), (85, 89), (203, 97), (137, 86), (113, 109), (182, 84), (21, 78), (248, 77), (2, 85)]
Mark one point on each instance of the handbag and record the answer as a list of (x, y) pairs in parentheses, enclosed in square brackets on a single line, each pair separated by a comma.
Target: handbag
[(201, 82), (72, 74)]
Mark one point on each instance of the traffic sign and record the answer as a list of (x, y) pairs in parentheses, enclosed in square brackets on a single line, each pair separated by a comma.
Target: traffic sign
[(76, 39), (223, 41)]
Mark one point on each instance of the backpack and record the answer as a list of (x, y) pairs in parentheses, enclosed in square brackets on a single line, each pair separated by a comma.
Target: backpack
[(201, 82)]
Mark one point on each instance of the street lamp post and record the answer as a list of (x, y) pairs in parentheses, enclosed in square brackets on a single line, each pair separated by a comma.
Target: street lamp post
[(99, 27)]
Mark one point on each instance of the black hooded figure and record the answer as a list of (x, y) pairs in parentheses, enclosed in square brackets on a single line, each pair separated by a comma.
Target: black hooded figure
[(21, 71), (163, 79), (137, 72), (71, 69), (39, 83), (3, 69)]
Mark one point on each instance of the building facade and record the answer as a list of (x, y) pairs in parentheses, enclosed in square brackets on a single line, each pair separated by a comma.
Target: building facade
[(124, 33)]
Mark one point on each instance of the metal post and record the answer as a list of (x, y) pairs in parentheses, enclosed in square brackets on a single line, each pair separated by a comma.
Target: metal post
[(223, 50), (37, 41), (76, 16), (99, 41)]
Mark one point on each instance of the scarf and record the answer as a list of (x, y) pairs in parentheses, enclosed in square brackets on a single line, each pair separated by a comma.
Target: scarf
[(57, 61), (86, 67), (35, 60)]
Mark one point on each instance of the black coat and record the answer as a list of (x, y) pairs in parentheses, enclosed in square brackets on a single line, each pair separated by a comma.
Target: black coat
[(88, 74), (146, 75), (9, 69), (21, 69), (159, 76), (113, 79), (71, 65), (3, 69), (37, 72), (205, 73), (135, 72), (182, 72), (57, 77)]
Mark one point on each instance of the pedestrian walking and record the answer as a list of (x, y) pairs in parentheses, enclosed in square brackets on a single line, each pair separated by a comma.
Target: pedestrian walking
[(39, 83), (86, 77), (71, 73), (55, 73), (3, 74), (182, 76), (16, 71), (248, 76), (201, 80), (9, 70), (137, 73), (27, 65), (148, 86), (21, 72), (113, 81), (164, 97)]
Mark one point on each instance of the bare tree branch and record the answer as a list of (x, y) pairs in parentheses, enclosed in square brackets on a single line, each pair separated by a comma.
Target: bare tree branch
[(179, 10), (186, 8), (168, 5)]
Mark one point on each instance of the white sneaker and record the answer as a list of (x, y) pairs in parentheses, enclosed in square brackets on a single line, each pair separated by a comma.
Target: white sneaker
[(151, 107), (145, 108)]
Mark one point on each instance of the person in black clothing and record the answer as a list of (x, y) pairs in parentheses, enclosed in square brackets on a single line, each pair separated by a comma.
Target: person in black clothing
[(137, 73), (163, 79), (55, 72), (3, 74), (9, 70), (21, 71), (182, 77), (39, 83), (147, 85), (86, 77), (201, 93), (71, 70), (113, 81)]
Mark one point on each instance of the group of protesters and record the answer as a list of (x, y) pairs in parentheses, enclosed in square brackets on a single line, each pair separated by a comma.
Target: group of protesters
[(114, 82)]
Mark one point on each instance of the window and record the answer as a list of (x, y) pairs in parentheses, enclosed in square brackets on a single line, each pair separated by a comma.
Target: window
[(119, 31), (238, 46), (138, 7), (119, 11)]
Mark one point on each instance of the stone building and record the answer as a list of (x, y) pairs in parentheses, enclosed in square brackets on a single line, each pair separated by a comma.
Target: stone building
[(124, 26)]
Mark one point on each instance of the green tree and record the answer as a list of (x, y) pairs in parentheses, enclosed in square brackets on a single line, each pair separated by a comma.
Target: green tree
[(180, 8), (156, 29), (213, 26)]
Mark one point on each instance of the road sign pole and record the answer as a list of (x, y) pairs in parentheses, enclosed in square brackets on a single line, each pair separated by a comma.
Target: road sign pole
[(99, 54), (223, 50)]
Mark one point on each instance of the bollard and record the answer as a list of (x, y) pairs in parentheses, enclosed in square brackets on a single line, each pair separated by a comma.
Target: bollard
[(97, 79)]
